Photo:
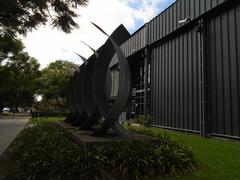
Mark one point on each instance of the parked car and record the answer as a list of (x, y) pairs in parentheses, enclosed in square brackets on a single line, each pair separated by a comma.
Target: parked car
[(6, 109)]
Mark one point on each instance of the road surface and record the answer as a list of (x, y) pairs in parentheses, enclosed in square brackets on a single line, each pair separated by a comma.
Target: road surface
[(9, 129)]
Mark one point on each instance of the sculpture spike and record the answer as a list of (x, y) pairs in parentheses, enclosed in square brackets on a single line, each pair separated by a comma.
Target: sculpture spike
[(98, 27), (83, 58), (94, 51)]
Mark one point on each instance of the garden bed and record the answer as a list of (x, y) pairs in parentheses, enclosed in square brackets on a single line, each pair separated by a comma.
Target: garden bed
[(43, 151)]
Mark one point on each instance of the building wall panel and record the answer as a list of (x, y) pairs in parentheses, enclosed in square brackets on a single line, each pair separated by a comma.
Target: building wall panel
[(167, 22), (177, 82), (170, 88), (224, 70), (135, 43), (238, 56), (181, 10), (174, 64)]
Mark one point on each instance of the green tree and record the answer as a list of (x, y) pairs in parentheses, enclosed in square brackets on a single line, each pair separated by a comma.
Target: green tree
[(19, 79), (9, 46), (54, 82), (20, 16), (23, 15)]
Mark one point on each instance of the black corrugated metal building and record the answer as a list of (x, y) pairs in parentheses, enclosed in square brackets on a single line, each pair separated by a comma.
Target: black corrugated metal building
[(191, 55)]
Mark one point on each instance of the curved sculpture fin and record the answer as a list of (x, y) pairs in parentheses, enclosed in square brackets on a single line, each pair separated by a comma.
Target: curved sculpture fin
[(98, 27), (93, 50), (83, 58)]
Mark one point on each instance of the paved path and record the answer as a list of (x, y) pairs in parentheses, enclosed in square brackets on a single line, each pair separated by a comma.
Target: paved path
[(9, 129)]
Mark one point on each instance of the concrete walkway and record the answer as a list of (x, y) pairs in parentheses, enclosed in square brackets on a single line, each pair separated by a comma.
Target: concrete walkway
[(9, 129)]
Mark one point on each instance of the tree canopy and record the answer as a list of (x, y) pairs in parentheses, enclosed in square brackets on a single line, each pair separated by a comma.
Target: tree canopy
[(54, 80), (9, 46), (19, 81), (20, 16), (23, 15), (20, 77)]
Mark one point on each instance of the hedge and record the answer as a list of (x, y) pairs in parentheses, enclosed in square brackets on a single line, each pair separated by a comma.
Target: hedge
[(37, 114)]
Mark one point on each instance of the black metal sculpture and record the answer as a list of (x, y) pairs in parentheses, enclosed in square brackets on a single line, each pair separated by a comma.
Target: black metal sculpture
[(87, 93)]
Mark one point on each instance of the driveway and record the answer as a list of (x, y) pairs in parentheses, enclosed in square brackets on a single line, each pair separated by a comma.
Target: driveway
[(9, 129)]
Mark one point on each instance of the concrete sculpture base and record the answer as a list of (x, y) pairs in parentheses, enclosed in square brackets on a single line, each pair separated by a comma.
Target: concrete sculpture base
[(87, 139)]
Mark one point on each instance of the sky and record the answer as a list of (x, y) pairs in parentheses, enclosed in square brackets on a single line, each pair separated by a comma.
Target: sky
[(47, 44)]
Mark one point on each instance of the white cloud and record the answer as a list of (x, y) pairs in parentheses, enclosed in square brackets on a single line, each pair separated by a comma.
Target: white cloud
[(146, 9), (47, 44)]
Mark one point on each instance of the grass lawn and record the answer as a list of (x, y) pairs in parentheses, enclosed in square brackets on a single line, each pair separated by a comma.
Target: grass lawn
[(217, 158)]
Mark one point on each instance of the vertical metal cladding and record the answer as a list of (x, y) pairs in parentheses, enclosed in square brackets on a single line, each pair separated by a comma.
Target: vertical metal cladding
[(175, 83), (167, 21), (224, 73), (175, 66), (135, 43)]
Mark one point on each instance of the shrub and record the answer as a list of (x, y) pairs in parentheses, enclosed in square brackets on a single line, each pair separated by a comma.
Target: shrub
[(137, 159), (38, 114), (44, 152), (141, 120)]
